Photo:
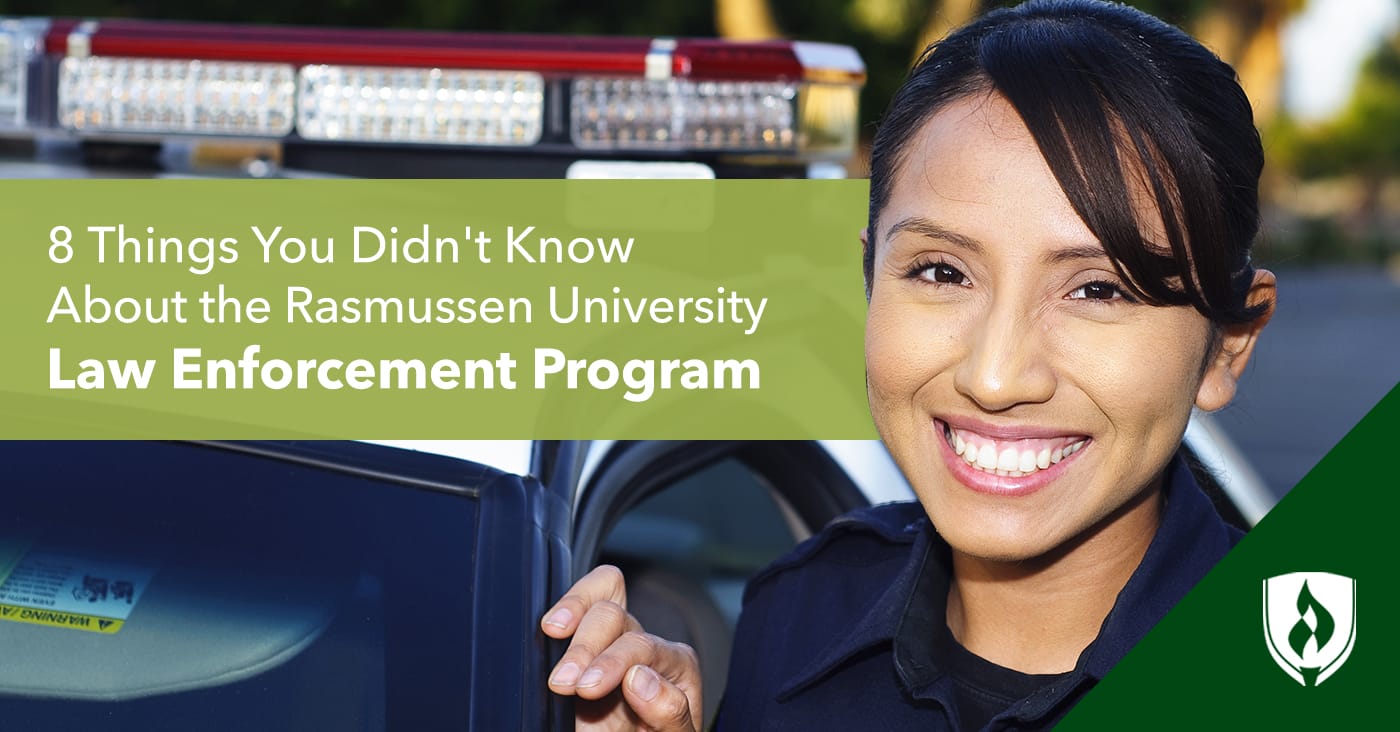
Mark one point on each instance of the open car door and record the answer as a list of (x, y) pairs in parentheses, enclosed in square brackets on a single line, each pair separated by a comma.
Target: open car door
[(273, 586)]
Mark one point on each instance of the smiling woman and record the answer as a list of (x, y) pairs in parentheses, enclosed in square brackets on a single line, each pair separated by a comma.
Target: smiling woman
[(1063, 200), (997, 319)]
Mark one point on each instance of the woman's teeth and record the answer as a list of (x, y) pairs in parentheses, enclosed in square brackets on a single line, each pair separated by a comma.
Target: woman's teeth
[(1028, 456)]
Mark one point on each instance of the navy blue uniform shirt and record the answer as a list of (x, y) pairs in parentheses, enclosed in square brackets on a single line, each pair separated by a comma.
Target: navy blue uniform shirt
[(834, 635)]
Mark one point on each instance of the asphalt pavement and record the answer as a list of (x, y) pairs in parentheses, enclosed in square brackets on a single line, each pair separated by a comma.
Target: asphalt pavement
[(1331, 353)]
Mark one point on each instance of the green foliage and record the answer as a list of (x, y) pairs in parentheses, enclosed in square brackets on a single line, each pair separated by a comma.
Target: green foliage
[(1314, 240), (1363, 138)]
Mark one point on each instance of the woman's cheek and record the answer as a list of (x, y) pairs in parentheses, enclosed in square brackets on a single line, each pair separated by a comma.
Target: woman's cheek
[(1140, 374), (907, 347)]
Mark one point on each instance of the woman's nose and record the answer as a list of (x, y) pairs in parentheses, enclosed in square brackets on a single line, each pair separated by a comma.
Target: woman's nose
[(1005, 362)]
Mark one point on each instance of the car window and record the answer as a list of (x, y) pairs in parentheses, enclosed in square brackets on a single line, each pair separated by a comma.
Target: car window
[(687, 551), (177, 587)]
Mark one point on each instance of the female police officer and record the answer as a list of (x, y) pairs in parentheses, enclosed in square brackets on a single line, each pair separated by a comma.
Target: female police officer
[(1063, 198)]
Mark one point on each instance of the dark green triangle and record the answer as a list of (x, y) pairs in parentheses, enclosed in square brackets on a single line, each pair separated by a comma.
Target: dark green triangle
[(1206, 665)]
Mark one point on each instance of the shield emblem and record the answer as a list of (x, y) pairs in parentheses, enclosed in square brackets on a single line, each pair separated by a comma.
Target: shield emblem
[(1310, 623)]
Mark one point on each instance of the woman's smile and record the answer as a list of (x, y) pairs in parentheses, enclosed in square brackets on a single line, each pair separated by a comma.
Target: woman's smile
[(1012, 461)]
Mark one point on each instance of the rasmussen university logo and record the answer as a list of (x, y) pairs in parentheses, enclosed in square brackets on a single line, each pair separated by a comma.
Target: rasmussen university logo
[(1310, 623)]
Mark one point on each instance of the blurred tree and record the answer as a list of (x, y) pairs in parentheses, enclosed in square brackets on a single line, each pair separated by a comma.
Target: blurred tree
[(891, 33), (745, 20), (1248, 34), (1362, 141), (942, 18)]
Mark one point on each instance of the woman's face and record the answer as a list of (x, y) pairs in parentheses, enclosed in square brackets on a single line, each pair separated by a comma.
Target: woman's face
[(1026, 396)]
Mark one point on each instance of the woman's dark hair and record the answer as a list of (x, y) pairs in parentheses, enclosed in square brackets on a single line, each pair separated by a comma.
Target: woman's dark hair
[(1096, 83)]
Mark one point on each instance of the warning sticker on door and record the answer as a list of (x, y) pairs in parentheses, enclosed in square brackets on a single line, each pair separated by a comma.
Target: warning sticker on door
[(72, 591), (12, 550)]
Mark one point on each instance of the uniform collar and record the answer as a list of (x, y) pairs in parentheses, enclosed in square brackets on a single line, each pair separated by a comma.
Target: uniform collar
[(880, 621), (1189, 541)]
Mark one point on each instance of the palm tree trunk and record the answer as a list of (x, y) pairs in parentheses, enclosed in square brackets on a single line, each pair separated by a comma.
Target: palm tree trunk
[(943, 18), (1248, 34), (745, 20)]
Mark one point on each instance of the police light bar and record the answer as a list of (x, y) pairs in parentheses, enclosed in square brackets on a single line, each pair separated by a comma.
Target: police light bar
[(120, 78)]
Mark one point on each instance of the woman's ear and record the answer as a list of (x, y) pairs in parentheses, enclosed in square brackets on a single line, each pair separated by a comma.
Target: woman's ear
[(864, 240), (1236, 344)]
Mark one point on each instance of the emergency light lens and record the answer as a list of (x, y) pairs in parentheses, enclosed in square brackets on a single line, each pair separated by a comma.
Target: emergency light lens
[(98, 93), (20, 42), (442, 106), (681, 114), (12, 86)]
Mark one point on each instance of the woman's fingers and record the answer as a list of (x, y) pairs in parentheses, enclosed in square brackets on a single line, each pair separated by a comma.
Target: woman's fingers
[(602, 584), (599, 630), (659, 704), (674, 661), (666, 693), (594, 613), (608, 650)]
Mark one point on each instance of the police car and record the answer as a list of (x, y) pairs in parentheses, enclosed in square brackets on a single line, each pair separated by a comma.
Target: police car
[(398, 585)]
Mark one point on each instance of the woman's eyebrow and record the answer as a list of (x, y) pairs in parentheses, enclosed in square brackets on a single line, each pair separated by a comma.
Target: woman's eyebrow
[(924, 227), (928, 228), (1074, 253)]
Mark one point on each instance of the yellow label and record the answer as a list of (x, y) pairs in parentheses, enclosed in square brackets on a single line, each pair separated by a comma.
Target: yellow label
[(56, 619), (61, 589)]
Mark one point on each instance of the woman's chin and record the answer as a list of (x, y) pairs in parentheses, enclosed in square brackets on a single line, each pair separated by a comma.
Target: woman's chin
[(1000, 536)]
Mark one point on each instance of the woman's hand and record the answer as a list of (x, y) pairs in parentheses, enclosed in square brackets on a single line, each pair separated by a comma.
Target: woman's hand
[(624, 678)]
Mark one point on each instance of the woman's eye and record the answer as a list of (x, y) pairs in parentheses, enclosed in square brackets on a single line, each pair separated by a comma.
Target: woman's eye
[(943, 274), (1097, 291)]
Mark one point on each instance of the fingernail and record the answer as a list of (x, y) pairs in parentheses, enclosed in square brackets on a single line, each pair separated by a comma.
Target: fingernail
[(566, 675), (591, 677), (560, 618), (644, 683)]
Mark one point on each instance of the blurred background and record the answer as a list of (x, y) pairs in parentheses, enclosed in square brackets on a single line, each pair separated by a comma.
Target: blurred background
[(1324, 76)]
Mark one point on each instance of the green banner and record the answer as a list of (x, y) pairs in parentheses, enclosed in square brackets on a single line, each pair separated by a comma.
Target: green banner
[(433, 309), (1296, 628)]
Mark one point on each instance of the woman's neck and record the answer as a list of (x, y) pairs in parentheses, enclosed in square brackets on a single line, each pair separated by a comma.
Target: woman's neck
[(1036, 616)]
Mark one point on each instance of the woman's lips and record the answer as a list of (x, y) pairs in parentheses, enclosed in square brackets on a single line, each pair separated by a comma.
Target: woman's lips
[(1008, 461)]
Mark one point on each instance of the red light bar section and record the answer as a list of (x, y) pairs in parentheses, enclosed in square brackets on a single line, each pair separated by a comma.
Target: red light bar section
[(506, 52), (753, 61), (699, 59)]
